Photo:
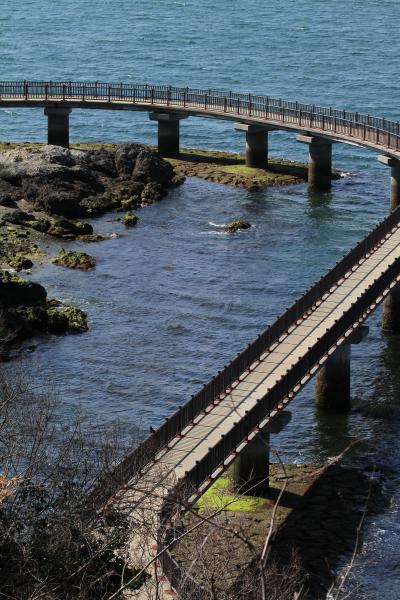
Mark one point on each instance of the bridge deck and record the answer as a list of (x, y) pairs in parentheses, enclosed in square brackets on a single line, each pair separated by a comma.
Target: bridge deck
[(207, 428), (180, 456)]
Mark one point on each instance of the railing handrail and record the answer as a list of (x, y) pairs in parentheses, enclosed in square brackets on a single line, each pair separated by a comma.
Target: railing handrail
[(235, 437), (363, 127), (135, 460)]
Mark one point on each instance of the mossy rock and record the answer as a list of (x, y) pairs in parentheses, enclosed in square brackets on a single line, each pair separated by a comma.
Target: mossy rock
[(19, 262), (98, 205), (152, 192), (70, 229), (236, 225), (66, 319), (74, 260), (131, 202), (47, 318), (130, 219), (41, 224)]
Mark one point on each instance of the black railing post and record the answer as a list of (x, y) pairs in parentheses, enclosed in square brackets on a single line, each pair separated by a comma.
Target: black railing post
[(168, 95), (249, 105), (225, 103), (63, 89), (152, 95), (120, 92), (26, 90), (46, 91), (109, 93)]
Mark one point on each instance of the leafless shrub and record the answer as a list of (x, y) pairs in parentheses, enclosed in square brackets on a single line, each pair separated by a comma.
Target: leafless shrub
[(48, 546)]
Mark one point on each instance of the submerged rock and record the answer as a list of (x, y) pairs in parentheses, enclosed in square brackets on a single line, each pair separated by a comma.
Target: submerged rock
[(74, 260), (236, 225), (130, 219)]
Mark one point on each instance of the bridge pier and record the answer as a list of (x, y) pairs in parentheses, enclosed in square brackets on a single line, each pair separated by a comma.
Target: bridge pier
[(58, 126), (394, 165), (250, 470), (256, 145), (391, 311), (332, 388), (391, 304), (319, 161), (168, 132)]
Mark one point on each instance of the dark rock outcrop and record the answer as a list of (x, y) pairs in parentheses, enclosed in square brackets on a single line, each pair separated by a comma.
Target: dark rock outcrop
[(78, 183)]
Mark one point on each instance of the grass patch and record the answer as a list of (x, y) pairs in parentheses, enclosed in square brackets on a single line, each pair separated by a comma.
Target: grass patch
[(243, 170), (218, 496)]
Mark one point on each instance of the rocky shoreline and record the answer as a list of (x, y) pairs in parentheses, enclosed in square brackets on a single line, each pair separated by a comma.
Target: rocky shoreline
[(48, 191)]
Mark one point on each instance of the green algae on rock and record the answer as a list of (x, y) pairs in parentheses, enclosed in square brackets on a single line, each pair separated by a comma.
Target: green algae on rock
[(66, 318), (25, 311), (236, 225), (19, 262), (74, 260), (130, 219)]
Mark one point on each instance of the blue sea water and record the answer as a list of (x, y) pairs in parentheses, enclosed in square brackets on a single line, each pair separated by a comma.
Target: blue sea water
[(173, 300)]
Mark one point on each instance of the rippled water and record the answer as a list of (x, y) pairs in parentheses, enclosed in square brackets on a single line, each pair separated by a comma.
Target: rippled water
[(171, 301)]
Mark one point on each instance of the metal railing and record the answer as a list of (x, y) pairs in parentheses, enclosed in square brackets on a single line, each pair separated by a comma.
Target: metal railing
[(188, 588), (137, 459), (377, 131)]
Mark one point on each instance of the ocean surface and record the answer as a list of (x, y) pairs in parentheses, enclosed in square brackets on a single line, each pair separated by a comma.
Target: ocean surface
[(171, 301)]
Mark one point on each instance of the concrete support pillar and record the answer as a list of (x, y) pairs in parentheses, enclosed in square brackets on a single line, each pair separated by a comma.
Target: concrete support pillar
[(58, 126), (168, 132), (256, 145), (391, 311), (319, 161), (394, 165), (250, 470), (332, 388), (391, 304)]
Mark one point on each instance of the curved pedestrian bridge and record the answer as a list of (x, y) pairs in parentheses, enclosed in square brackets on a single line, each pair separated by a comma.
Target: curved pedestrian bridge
[(224, 423), (255, 115)]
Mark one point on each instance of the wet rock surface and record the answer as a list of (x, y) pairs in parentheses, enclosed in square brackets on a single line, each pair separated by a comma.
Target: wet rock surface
[(78, 183)]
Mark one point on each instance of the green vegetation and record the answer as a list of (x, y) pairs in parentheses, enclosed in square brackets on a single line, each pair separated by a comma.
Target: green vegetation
[(218, 496)]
